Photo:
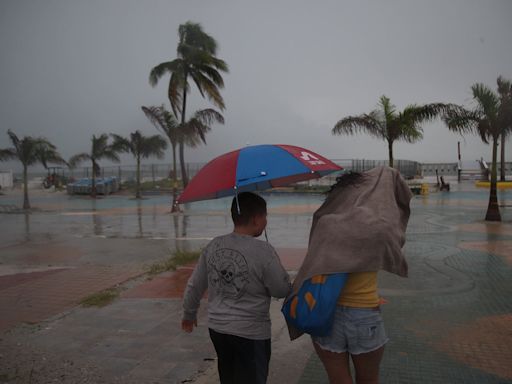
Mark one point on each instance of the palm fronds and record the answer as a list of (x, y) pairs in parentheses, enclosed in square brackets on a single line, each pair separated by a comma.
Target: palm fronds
[(7, 154), (363, 123), (29, 150), (78, 159)]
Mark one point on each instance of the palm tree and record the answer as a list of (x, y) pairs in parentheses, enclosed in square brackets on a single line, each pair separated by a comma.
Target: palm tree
[(387, 124), (140, 147), (195, 60), (505, 94), (29, 151), (488, 120), (165, 121), (194, 131), (191, 133), (100, 149)]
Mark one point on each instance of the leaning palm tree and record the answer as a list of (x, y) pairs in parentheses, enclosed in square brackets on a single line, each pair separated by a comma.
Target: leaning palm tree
[(140, 147), (100, 149), (29, 151), (505, 95), (191, 133), (387, 124), (165, 121), (196, 60), (487, 120)]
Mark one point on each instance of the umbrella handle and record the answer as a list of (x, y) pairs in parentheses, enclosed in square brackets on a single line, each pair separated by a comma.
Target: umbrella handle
[(236, 198)]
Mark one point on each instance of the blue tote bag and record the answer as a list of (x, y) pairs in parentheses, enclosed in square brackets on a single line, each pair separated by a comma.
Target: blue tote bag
[(312, 309)]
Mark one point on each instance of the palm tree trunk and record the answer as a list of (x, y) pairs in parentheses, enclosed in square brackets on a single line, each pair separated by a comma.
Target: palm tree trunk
[(502, 170), (390, 152), (493, 210), (26, 203), (184, 176), (175, 207), (183, 167), (137, 187), (93, 186)]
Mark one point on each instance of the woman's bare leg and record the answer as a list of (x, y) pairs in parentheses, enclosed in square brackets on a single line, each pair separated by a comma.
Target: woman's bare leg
[(336, 365), (367, 366)]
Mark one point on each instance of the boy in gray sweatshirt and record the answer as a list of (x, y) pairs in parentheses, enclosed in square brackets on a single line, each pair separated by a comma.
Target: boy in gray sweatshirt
[(241, 274)]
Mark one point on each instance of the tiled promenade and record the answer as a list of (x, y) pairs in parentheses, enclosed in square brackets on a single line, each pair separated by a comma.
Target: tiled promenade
[(449, 322)]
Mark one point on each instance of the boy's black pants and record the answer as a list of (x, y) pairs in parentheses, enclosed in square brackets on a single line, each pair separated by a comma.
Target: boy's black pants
[(241, 360)]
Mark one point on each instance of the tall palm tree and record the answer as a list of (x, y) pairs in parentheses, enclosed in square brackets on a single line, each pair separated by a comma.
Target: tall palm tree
[(487, 120), (387, 124), (505, 95), (191, 133), (141, 147), (29, 151), (196, 60), (100, 149)]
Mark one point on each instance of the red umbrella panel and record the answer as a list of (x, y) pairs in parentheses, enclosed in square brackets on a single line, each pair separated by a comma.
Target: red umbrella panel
[(258, 167)]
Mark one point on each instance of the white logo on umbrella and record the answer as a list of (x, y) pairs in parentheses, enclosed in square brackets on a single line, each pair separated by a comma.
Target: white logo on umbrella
[(311, 159)]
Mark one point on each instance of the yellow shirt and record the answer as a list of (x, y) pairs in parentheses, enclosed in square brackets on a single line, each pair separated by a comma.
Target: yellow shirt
[(360, 290)]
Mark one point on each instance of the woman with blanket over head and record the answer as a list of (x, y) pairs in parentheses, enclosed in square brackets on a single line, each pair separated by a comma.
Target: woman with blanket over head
[(359, 229)]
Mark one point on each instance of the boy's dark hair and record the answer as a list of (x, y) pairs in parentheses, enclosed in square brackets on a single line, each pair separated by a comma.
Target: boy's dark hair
[(250, 204)]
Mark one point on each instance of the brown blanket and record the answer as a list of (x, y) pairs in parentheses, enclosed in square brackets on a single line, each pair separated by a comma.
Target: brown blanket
[(360, 228)]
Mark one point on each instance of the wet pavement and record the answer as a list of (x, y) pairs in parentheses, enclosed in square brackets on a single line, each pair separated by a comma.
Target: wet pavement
[(449, 322)]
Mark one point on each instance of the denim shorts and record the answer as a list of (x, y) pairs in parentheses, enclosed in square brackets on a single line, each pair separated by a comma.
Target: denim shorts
[(354, 330)]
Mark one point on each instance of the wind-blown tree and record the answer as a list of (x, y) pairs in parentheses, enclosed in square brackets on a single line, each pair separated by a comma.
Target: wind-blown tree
[(196, 60), (165, 121), (487, 119), (191, 133), (29, 151), (100, 149), (387, 124), (141, 147), (505, 95), (194, 131)]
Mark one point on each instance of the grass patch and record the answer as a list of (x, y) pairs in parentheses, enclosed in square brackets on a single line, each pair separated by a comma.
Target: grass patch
[(178, 258), (100, 299), (164, 184)]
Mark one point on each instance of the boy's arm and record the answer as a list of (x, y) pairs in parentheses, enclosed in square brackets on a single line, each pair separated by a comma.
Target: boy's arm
[(196, 286), (275, 278)]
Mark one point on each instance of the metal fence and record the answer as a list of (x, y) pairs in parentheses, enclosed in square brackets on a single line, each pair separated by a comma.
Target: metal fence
[(156, 172), (451, 169), (407, 168), (128, 173), (443, 169)]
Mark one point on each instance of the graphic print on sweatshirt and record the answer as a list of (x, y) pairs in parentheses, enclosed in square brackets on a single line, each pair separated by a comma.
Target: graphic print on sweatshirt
[(228, 272)]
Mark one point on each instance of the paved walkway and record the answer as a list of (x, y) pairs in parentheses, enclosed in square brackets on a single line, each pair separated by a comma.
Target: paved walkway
[(449, 322), (36, 296)]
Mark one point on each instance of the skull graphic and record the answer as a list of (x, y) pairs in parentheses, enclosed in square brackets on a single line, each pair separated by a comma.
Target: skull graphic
[(227, 271)]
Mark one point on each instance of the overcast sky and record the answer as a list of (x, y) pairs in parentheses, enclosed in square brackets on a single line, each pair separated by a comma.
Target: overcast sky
[(70, 68)]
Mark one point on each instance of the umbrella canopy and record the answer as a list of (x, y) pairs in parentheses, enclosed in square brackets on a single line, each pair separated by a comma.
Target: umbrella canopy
[(257, 167)]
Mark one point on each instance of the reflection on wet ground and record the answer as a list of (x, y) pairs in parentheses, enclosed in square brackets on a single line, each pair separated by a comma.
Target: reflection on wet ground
[(124, 217)]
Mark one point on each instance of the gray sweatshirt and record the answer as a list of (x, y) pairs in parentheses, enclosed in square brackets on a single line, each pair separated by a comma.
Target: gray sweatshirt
[(241, 274)]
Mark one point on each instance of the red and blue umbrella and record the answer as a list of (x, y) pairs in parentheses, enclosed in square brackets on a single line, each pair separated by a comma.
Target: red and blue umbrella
[(253, 168)]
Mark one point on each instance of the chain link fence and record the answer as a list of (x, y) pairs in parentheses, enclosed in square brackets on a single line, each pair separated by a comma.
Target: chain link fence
[(157, 172), (128, 173)]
